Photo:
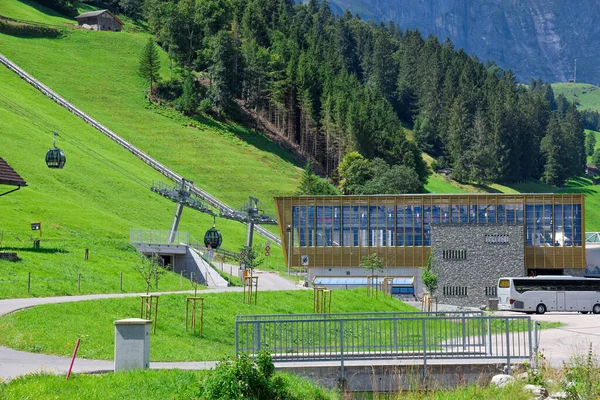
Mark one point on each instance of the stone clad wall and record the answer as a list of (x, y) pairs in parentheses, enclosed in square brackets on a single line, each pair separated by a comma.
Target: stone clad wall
[(471, 258)]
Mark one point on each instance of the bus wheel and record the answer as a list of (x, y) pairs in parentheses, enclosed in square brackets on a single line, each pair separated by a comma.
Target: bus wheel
[(541, 309), (584, 312), (596, 309)]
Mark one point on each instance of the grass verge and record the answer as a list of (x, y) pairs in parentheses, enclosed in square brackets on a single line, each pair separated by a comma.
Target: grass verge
[(64, 323), (136, 384)]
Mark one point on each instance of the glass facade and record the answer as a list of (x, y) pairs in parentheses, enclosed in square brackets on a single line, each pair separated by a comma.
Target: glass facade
[(409, 224), (337, 230)]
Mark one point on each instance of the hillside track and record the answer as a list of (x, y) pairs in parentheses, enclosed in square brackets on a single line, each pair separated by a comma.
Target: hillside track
[(167, 172)]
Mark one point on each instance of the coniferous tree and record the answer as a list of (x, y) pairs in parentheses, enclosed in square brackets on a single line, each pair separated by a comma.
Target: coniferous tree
[(480, 157), (575, 138), (149, 63), (383, 69), (458, 139), (590, 143), (188, 100), (221, 70), (554, 148), (254, 26)]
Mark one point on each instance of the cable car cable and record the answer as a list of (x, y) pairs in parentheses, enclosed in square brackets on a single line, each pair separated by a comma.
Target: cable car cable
[(36, 119), (45, 126)]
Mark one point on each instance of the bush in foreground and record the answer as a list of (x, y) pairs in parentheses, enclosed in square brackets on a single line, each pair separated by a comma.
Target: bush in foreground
[(243, 378)]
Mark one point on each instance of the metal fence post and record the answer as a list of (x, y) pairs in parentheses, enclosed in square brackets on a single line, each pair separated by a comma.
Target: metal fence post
[(424, 334), (464, 333), (507, 346), (489, 329), (342, 348), (325, 336), (257, 336), (395, 335), (535, 344), (482, 327), (237, 337)]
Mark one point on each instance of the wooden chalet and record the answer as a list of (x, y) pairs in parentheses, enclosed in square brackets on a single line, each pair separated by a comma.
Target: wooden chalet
[(100, 20)]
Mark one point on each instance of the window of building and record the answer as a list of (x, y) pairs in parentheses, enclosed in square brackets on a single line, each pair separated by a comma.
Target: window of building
[(454, 254), (549, 221), (455, 291), (491, 291), (496, 239)]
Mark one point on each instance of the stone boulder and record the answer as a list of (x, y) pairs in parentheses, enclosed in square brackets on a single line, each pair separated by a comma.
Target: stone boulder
[(502, 380)]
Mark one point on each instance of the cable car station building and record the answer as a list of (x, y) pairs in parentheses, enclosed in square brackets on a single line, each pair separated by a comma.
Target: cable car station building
[(473, 238)]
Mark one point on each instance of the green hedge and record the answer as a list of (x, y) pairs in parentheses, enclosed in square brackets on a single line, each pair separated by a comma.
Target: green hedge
[(28, 30)]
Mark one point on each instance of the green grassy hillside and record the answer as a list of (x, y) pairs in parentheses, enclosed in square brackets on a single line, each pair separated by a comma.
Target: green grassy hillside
[(223, 158), (584, 95), (88, 204), (28, 10), (91, 205)]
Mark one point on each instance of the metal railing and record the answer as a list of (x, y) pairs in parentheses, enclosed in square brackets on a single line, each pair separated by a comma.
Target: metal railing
[(358, 315), (213, 201), (162, 237), (397, 336), (156, 236)]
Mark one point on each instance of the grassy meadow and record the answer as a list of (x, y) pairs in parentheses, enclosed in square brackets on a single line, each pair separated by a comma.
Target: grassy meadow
[(64, 323), (584, 95), (28, 10)]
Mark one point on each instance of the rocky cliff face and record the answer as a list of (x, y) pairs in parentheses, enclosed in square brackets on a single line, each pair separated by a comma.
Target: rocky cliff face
[(534, 38)]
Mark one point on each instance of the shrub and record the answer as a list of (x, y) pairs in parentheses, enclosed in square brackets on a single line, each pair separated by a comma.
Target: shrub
[(28, 30), (206, 106), (168, 91), (238, 379), (243, 378)]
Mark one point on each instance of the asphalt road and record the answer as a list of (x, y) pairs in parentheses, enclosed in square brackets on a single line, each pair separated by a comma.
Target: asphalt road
[(560, 344)]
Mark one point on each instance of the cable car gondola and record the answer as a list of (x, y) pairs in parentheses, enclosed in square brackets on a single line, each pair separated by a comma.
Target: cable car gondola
[(55, 157), (213, 238)]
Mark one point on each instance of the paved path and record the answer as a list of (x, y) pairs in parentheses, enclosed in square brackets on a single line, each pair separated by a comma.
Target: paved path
[(267, 280), (14, 363)]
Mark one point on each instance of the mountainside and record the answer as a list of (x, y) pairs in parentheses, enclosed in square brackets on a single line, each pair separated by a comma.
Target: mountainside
[(534, 38)]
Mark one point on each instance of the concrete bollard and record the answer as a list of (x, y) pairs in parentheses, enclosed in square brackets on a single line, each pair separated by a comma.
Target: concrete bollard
[(132, 344)]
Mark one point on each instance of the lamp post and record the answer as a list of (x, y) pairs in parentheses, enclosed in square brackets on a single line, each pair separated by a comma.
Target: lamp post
[(289, 231)]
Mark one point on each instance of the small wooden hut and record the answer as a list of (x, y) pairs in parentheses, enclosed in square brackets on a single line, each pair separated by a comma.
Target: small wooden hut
[(101, 20)]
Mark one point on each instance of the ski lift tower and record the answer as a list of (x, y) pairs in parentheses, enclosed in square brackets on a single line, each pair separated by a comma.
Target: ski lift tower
[(250, 215), (181, 194)]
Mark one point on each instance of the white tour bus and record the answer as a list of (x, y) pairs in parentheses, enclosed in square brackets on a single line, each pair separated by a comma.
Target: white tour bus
[(549, 293)]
